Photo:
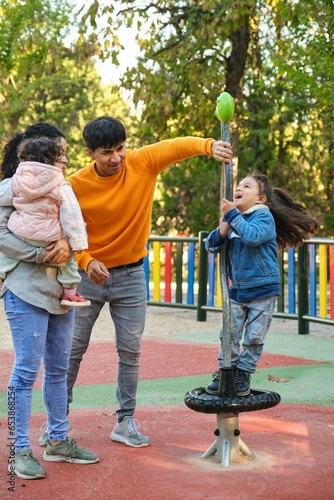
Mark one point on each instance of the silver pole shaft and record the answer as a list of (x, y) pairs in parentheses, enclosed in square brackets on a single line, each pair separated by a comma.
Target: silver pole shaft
[(226, 191)]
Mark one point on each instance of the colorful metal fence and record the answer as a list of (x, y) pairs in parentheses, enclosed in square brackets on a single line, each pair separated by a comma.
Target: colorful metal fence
[(180, 273)]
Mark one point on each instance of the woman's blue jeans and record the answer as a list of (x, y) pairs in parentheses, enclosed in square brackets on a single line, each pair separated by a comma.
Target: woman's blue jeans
[(38, 335), (250, 321)]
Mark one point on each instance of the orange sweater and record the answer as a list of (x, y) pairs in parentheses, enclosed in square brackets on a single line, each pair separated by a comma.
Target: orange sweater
[(117, 209)]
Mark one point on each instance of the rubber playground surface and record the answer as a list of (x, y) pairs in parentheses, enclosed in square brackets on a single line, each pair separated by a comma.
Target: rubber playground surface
[(292, 442)]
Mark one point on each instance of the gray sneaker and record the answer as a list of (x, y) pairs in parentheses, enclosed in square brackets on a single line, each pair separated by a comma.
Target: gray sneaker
[(45, 436), (69, 451), (26, 465), (127, 432)]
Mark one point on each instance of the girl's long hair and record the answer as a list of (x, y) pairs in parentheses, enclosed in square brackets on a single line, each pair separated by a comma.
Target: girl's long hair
[(293, 222)]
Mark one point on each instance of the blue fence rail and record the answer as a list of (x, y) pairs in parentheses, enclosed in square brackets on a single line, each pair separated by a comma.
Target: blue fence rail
[(181, 273)]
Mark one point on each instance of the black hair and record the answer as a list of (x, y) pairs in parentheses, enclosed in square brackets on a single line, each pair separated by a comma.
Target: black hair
[(9, 159), (42, 150), (104, 132), (293, 222)]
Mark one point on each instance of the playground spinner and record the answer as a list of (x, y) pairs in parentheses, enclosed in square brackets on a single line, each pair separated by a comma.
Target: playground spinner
[(228, 444)]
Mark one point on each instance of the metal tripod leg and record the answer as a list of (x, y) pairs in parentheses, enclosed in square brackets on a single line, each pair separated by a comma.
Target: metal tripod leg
[(228, 443)]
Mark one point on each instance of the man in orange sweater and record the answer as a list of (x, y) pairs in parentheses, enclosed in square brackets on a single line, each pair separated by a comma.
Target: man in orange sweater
[(115, 193)]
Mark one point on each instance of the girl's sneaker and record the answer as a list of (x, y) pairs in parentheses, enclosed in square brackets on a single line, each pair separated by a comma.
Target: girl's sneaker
[(212, 388), (75, 300), (242, 382)]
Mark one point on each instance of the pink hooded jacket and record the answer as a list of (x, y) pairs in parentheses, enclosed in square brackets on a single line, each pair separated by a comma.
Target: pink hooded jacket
[(46, 207)]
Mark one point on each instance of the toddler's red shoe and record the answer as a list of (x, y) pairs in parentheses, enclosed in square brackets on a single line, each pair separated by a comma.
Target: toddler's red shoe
[(75, 300)]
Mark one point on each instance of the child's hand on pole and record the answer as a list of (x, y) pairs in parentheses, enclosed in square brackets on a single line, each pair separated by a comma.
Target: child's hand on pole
[(223, 227), (226, 205)]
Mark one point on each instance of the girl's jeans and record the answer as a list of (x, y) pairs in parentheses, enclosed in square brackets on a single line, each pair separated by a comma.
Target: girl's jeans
[(38, 335), (251, 320), (125, 291)]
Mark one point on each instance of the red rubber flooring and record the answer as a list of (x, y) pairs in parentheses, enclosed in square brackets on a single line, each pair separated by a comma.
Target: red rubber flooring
[(293, 444)]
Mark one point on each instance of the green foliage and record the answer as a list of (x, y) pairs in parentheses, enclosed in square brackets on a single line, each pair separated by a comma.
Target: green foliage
[(48, 73), (183, 67), (275, 57), (287, 128)]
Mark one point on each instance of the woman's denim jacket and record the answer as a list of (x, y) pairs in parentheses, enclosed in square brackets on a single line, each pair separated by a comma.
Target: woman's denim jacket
[(252, 248)]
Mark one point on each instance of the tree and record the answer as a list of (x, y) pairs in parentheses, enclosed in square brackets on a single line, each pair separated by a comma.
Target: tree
[(48, 73), (266, 54), (288, 128)]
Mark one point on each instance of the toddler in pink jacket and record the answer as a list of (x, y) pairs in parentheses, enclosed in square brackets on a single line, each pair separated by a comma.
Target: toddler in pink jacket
[(46, 210)]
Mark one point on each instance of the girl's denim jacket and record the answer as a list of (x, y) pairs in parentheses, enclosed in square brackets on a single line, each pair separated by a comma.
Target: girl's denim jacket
[(252, 249)]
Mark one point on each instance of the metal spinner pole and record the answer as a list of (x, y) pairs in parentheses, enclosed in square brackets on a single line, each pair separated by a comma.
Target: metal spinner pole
[(226, 403), (226, 191), (228, 443)]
